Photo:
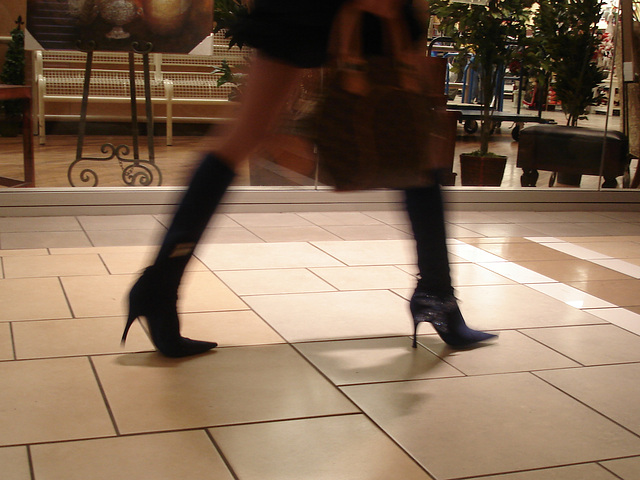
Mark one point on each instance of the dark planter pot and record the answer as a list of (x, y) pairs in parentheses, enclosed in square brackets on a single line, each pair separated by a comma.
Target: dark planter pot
[(482, 171)]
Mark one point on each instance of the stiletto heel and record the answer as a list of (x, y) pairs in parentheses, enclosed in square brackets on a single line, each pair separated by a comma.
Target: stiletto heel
[(148, 299), (446, 318)]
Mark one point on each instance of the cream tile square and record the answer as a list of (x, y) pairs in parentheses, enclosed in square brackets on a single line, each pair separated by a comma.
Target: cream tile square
[(619, 292), (451, 425), (24, 252), (612, 390), (229, 235), (579, 217), (53, 266), (166, 456), (203, 291), (502, 230), (32, 298), (516, 272), (391, 217), (458, 231), (572, 270), (39, 224), (326, 316), (10, 241), (576, 250), (511, 352), (523, 217), (102, 238), (571, 296), (342, 218), (591, 345), (374, 360), (367, 232), (473, 254), (119, 222), (372, 252), (6, 342), (281, 280), (268, 219), (591, 471), (100, 295), (472, 274), (366, 278), (517, 252), (124, 262), (625, 468), (306, 233), (242, 327), (622, 317), (344, 447), (51, 400), (219, 220), (148, 392), (74, 337), (260, 256), (498, 307), (463, 217), (15, 463), (560, 229), (116, 249)]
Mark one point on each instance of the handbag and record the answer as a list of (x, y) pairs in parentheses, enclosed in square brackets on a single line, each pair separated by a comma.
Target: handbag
[(381, 121)]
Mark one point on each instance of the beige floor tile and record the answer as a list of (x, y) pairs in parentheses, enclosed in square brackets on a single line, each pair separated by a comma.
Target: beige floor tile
[(306, 233), (101, 238), (268, 219), (490, 424), (343, 218), (495, 240), (148, 392), (51, 400), (6, 343), (374, 360), (27, 252), (167, 456), (619, 292), (20, 302), (242, 327), (203, 292), (625, 468), (327, 316), (344, 447), (612, 390), (282, 280), (119, 222), (15, 463), (229, 235), (516, 272), (10, 241), (257, 256), (558, 229), (463, 217), (219, 220), (472, 274), (511, 352), (591, 345), (39, 224), (53, 266), (373, 252), (572, 270), (368, 232), (458, 231), (77, 336), (618, 249), (115, 249), (100, 295), (634, 309), (502, 230), (498, 307), (366, 278), (123, 262), (517, 252), (590, 471)]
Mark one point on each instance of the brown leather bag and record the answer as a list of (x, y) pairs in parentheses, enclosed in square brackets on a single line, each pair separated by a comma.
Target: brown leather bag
[(382, 120)]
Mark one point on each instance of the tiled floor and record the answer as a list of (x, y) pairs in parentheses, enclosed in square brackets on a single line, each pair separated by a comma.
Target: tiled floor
[(315, 377)]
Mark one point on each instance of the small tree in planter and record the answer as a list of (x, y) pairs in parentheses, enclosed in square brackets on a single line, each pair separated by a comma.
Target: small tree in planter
[(489, 30), (13, 74), (568, 34)]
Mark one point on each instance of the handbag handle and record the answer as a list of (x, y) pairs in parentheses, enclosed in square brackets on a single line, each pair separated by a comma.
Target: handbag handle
[(347, 48)]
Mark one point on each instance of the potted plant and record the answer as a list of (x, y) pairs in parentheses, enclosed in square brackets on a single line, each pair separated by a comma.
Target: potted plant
[(567, 32), (13, 74), (488, 31)]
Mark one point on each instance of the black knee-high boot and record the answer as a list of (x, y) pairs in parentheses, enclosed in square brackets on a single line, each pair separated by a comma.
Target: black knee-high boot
[(155, 294), (433, 299)]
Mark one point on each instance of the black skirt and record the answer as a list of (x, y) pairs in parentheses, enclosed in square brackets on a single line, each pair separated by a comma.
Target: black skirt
[(297, 31)]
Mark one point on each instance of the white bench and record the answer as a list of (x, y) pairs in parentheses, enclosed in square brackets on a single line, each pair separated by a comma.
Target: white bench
[(174, 79)]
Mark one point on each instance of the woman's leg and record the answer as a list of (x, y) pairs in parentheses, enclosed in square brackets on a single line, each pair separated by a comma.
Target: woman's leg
[(433, 300), (154, 296)]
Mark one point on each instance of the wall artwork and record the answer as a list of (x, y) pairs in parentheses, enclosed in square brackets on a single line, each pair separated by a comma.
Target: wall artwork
[(171, 26)]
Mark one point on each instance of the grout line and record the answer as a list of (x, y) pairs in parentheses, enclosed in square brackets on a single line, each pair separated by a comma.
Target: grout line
[(104, 396), (227, 463)]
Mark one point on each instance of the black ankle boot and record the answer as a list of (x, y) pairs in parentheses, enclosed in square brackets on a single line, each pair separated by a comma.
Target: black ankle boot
[(155, 294), (149, 299), (445, 316)]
